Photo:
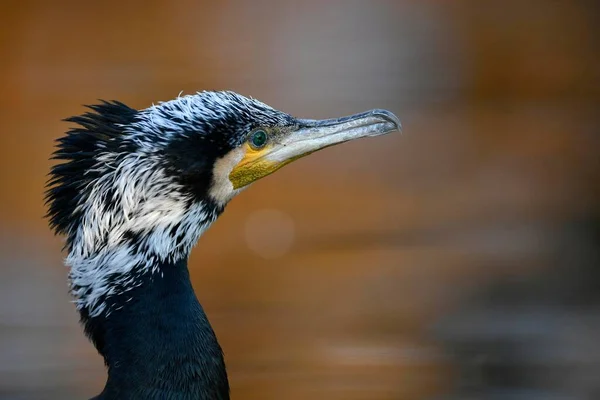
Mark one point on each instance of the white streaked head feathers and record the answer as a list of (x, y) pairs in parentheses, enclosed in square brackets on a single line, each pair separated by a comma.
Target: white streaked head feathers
[(146, 219), (138, 188), (132, 213), (199, 111)]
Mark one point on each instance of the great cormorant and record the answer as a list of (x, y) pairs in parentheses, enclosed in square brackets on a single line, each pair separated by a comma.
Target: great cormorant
[(133, 193)]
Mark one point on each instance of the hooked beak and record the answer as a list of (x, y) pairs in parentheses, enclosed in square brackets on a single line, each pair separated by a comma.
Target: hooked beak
[(315, 135), (308, 137)]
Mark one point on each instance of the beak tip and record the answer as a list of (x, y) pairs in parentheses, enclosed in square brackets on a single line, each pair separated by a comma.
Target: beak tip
[(388, 116)]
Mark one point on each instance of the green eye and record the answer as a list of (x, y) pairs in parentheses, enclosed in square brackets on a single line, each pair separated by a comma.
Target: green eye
[(258, 139)]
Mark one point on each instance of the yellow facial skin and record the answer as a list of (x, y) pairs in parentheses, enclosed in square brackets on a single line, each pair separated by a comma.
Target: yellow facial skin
[(254, 165)]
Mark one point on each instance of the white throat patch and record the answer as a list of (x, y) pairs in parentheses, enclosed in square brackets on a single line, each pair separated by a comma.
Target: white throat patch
[(222, 190)]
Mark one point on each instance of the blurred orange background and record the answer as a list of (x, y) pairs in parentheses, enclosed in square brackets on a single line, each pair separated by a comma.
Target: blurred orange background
[(456, 260)]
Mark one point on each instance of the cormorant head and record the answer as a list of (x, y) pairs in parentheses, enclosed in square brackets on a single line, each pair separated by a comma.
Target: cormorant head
[(136, 189)]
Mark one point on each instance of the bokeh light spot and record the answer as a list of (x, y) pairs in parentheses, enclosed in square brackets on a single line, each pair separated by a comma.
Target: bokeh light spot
[(270, 233)]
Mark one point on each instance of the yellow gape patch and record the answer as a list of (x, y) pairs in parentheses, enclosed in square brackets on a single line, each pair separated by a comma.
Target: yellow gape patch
[(254, 165)]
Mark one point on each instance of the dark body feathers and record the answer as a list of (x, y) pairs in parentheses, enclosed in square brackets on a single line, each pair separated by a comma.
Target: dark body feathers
[(161, 345)]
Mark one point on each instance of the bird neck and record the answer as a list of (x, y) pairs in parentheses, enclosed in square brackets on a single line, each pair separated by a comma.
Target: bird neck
[(157, 341)]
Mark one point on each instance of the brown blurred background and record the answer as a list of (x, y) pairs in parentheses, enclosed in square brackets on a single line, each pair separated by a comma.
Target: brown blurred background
[(459, 260)]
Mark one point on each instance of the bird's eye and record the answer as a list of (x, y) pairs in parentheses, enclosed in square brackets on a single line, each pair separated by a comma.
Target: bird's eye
[(258, 139)]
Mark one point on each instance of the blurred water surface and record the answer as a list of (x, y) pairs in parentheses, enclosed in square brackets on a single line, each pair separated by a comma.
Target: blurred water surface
[(456, 260)]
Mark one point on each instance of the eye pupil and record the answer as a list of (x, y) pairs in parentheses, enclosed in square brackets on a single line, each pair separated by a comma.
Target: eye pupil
[(259, 138)]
